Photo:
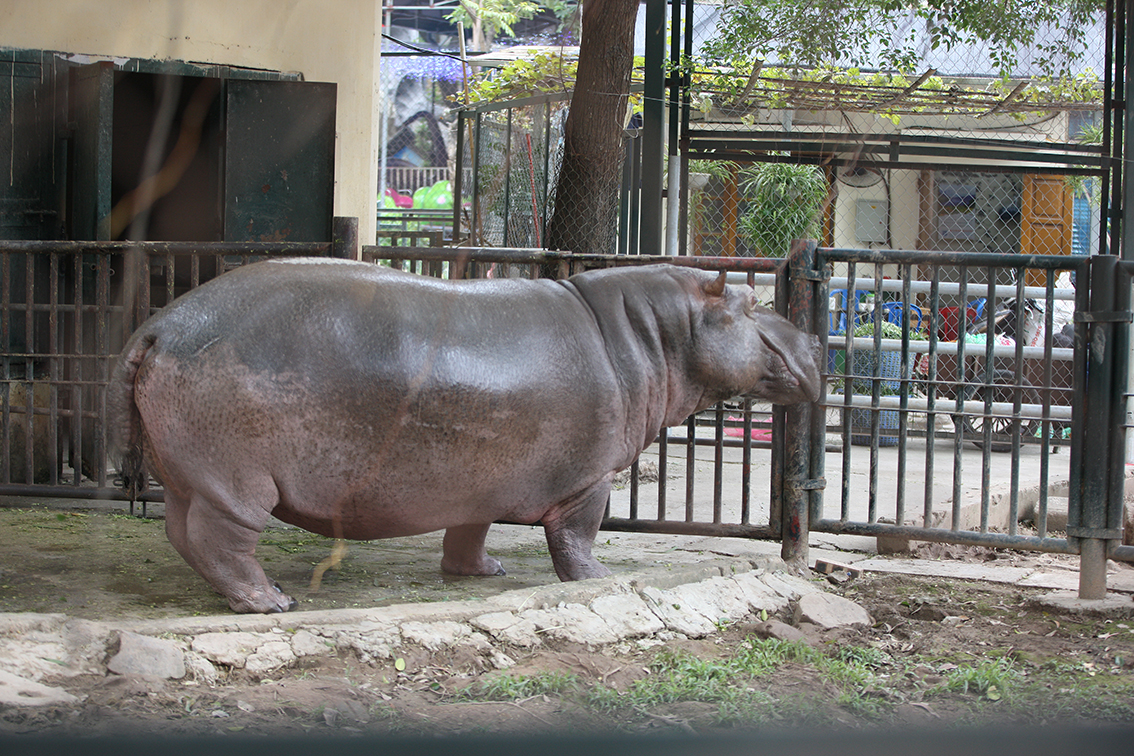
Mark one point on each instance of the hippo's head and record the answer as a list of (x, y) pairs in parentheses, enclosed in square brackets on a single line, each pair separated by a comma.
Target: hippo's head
[(744, 349)]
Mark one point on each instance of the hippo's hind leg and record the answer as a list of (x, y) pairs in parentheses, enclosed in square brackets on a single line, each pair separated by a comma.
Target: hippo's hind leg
[(464, 552), (570, 527), (221, 546)]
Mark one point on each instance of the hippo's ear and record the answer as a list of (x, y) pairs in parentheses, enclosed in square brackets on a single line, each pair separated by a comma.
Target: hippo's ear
[(715, 288), (751, 302)]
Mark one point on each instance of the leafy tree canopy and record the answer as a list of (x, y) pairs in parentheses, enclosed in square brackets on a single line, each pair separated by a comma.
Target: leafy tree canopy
[(489, 17), (886, 34)]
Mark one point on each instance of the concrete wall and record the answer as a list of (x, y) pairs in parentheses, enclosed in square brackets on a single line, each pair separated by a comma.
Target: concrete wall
[(325, 41)]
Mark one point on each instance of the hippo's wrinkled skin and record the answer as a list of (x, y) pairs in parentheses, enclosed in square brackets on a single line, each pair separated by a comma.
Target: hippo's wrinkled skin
[(360, 402)]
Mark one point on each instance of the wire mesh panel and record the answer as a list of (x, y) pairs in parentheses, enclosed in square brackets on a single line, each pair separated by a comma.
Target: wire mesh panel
[(510, 160), (518, 189)]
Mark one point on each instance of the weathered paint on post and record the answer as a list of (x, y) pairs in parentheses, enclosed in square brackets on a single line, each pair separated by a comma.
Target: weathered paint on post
[(797, 438)]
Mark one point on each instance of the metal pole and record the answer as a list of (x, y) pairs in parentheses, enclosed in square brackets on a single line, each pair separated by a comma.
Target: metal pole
[(458, 178), (797, 436), (344, 237), (675, 186), (1091, 524), (653, 117), (382, 122)]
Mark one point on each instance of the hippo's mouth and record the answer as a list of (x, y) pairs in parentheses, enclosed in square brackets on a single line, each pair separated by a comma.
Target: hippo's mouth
[(786, 380)]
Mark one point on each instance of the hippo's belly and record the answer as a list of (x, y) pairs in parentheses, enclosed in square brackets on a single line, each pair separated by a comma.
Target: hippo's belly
[(364, 456)]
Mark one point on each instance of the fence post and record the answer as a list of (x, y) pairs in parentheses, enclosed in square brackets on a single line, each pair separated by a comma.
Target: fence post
[(344, 237), (458, 177), (797, 438), (1101, 410)]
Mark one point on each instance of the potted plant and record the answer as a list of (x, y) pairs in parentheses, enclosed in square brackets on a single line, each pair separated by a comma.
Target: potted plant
[(785, 201)]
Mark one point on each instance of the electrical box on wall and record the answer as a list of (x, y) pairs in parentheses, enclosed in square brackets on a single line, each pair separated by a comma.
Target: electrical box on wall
[(870, 220)]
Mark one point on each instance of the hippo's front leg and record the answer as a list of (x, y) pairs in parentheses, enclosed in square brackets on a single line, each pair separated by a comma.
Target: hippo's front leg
[(570, 527)]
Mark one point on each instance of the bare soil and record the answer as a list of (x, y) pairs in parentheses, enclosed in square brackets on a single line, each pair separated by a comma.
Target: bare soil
[(1057, 669)]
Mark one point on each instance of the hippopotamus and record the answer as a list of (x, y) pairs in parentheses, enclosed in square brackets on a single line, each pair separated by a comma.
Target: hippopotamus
[(361, 402)]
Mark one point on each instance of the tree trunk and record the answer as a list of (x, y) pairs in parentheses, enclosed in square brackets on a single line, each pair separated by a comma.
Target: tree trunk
[(585, 219)]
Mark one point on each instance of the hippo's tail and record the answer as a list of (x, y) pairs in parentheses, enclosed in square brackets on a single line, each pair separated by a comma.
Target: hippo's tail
[(127, 433)]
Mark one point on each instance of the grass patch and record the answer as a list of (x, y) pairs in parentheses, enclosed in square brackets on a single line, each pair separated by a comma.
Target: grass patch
[(739, 685), (520, 687), (991, 678)]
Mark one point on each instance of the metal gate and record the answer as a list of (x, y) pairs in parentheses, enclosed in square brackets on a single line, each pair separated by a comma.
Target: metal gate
[(933, 432), (971, 421)]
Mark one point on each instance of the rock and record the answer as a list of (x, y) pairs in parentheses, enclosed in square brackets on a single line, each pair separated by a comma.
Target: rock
[(143, 655), (1113, 605), (627, 615), (200, 669), (268, 657), (445, 634), (757, 593), (572, 622), (51, 645), (780, 631), (1057, 507), (893, 545), (19, 691), (506, 627), (306, 643), (829, 611), (371, 641), (717, 598), (789, 586), (231, 649), (678, 617)]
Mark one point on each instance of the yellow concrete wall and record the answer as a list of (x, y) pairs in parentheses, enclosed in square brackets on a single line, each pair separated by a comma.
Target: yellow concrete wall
[(325, 40)]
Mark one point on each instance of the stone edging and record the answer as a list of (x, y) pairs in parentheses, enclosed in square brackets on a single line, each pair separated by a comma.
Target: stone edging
[(682, 602)]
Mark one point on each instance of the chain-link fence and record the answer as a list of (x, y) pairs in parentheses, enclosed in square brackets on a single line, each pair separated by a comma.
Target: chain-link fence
[(512, 158), (902, 136), (889, 130)]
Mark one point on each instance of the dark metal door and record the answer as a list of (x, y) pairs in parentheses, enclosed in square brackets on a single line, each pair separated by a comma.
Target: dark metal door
[(279, 161)]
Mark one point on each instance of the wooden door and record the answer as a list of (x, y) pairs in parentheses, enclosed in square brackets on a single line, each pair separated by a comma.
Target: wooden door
[(1045, 221)]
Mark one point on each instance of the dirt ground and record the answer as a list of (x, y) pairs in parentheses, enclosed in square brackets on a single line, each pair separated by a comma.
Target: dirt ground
[(940, 653)]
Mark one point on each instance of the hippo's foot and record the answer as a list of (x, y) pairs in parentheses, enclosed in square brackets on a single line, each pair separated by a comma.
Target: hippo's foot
[(581, 570), (271, 600), (487, 566), (464, 552)]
